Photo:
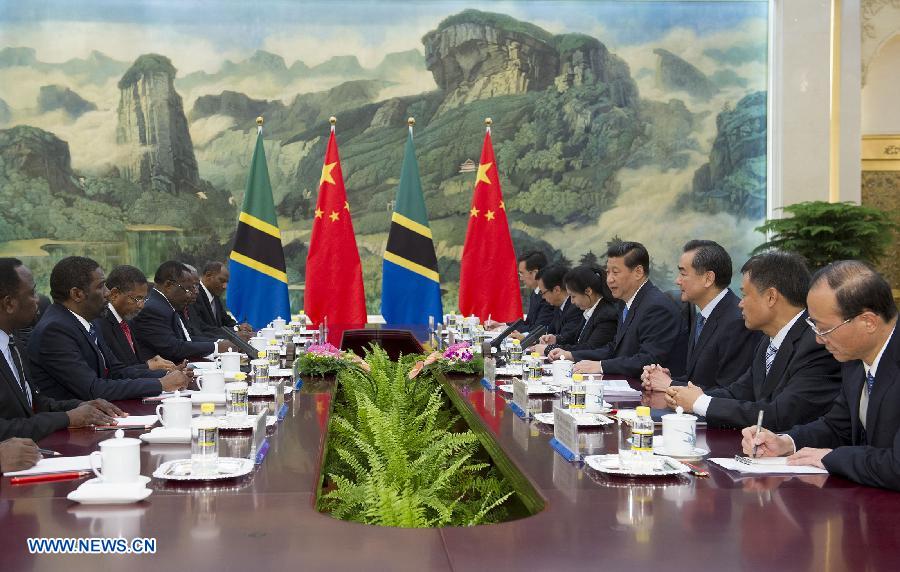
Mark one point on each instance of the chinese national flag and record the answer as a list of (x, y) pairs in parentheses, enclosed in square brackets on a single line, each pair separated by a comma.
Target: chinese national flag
[(334, 286), (489, 282)]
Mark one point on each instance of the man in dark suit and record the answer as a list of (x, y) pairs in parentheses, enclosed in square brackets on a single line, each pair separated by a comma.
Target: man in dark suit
[(160, 328), (792, 379), (207, 313), (650, 328), (24, 411), (540, 312), (567, 319), (852, 312), (128, 290), (720, 347), (70, 359)]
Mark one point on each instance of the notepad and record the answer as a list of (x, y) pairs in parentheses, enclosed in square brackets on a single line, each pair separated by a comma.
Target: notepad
[(618, 387), (56, 465), (767, 466)]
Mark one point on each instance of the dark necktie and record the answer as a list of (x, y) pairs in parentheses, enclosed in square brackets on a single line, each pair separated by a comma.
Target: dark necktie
[(92, 332), (699, 327), (624, 313), (17, 361), (215, 309), (127, 331), (770, 356), (870, 382)]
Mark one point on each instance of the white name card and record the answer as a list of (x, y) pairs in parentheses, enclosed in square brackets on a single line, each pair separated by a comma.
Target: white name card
[(520, 395), (565, 429)]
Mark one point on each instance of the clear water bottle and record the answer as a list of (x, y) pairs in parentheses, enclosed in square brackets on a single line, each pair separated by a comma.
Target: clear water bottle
[(537, 369), (205, 441), (578, 393), (642, 439)]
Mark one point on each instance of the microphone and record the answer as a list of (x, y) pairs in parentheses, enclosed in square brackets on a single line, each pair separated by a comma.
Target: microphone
[(533, 336), (505, 333)]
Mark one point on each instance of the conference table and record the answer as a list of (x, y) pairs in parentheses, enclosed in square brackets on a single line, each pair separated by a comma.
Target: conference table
[(588, 521)]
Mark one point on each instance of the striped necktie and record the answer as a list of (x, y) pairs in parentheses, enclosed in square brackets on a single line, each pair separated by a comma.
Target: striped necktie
[(870, 382), (770, 356), (701, 320)]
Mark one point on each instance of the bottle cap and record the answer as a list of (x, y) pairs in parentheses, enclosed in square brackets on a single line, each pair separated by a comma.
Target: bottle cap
[(516, 342), (273, 342), (240, 376), (643, 411), (577, 377), (535, 355), (261, 354), (207, 408)]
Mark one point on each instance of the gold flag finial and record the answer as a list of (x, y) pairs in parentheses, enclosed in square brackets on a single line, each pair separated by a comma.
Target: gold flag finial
[(332, 120), (411, 121), (488, 121), (259, 120)]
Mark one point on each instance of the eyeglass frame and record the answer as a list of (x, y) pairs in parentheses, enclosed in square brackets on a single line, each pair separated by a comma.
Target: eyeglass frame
[(138, 300), (180, 285), (827, 332)]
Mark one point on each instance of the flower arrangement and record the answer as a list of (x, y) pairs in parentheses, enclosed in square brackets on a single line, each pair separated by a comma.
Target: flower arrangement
[(324, 359), (458, 358)]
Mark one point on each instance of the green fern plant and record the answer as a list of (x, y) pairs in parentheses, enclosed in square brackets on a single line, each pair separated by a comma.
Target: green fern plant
[(394, 458), (824, 232)]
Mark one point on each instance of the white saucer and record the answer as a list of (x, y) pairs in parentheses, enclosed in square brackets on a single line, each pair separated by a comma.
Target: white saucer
[(662, 466), (699, 453), (94, 491), (167, 435), (216, 398)]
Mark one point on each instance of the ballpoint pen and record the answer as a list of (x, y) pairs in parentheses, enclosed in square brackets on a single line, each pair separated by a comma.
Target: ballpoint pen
[(756, 435), (49, 453)]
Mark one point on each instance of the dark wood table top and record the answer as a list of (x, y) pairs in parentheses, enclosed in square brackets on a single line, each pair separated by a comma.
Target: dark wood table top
[(590, 522)]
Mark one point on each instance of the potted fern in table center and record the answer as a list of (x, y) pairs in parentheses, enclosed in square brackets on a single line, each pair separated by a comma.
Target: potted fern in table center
[(824, 232)]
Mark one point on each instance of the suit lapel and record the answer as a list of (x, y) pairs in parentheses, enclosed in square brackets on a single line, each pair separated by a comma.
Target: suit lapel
[(14, 386), (885, 379), (709, 328), (620, 332), (67, 314), (857, 378), (783, 357)]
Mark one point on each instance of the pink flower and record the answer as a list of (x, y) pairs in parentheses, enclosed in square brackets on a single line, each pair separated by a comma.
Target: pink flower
[(325, 349)]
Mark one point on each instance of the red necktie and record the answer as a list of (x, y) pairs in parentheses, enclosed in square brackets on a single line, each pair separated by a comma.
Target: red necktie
[(127, 331)]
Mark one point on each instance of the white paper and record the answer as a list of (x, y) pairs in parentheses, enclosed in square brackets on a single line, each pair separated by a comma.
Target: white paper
[(137, 420), (56, 465), (773, 467), (618, 387)]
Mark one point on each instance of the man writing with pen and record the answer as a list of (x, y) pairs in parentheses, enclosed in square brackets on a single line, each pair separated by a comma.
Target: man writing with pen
[(853, 314), (24, 411)]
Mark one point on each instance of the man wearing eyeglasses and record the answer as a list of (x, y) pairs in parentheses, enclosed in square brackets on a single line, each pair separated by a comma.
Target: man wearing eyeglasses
[(792, 379), (128, 290), (853, 314), (160, 328)]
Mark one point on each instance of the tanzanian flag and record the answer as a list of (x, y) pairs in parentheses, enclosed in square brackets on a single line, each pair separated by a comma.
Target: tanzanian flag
[(258, 289), (410, 286)]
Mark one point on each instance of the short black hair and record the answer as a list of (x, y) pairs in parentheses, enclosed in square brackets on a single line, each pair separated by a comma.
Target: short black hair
[(787, 272), (711, 257), (534, 260), (213, 266), (580, 278), (170, 270), (857, 287), (71, 272), (552, 276), (634, 253), (9, 276), (125, 278)]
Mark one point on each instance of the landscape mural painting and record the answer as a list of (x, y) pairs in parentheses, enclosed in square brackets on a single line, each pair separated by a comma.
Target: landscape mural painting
[(127, 128)]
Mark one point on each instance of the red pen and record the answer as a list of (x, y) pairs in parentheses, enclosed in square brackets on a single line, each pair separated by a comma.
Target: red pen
[(49, 478)]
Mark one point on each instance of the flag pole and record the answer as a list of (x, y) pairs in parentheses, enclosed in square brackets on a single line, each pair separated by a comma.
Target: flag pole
[(411, 122), (259, 124), (332, 120), (487, 122)]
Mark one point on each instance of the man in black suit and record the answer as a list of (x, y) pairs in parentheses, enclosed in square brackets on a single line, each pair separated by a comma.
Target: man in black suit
[(160, 328), (128, 290), (567, 319), (207, 312), (24, 411), (540, 313), (720, 347), (792, 379), (650, 328), (852, 312), (70, 359)]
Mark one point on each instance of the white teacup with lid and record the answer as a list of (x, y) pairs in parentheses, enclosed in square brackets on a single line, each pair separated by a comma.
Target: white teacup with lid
[(120, 458), (679, 431)]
